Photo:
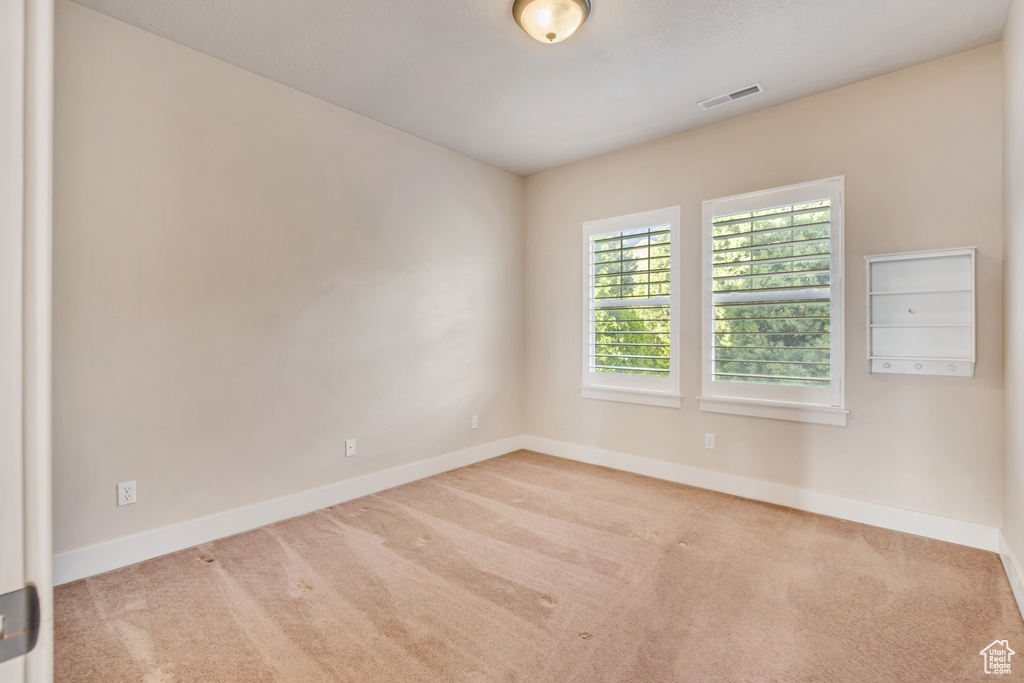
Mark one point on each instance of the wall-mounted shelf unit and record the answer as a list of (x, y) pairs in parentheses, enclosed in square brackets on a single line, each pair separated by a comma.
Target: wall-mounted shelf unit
[(921, 315)]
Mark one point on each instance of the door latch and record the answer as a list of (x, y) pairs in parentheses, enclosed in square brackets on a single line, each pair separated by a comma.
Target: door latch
[(19, 623)]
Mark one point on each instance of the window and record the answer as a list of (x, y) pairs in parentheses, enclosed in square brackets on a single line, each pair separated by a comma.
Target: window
[(773, 304), (631, 326)]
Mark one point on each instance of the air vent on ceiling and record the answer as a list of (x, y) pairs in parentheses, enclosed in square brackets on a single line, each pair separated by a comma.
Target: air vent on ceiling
[(731, 97)]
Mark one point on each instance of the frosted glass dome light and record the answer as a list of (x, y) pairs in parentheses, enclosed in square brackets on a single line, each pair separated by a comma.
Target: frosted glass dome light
[(550, 21)]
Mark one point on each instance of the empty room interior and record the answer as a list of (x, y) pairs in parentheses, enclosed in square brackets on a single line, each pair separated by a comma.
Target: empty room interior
[(546, 340)]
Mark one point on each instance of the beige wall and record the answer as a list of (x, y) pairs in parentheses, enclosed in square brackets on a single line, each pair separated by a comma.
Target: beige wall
[(1013, 241), (921, 152), (245, 276)]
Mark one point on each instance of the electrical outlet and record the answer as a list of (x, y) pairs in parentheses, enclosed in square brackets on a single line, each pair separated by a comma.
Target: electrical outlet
[(709, 440), (476, 423), (125, 493), (350, 448)]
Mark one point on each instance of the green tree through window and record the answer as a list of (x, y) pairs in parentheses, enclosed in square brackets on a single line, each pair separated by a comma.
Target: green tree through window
[(771, 296), (631, 316)]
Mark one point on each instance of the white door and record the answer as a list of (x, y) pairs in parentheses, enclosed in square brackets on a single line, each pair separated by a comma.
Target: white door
[(26, 49), (12, 524)]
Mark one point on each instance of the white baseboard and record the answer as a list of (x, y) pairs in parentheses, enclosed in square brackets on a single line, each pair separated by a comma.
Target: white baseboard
[(78, 564), (1013, 569), (922, 524)]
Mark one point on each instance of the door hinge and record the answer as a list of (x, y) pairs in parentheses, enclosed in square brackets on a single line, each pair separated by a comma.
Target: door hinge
[(19, 622)]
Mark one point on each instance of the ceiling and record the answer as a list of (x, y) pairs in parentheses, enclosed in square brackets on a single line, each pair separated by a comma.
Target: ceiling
[(462, 74)]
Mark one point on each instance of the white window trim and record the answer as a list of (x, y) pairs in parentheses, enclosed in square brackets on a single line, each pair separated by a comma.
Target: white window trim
[(778, 410), (655, 391), (821, 406)]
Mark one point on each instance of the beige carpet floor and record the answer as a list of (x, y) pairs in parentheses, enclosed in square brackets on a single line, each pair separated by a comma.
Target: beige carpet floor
[(533, 569)]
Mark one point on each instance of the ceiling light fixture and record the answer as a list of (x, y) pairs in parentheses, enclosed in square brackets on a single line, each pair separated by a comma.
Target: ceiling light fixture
[(550, 21)]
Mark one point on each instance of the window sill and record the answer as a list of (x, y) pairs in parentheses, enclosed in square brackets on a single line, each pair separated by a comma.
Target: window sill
[(651, 398), (778, 410)]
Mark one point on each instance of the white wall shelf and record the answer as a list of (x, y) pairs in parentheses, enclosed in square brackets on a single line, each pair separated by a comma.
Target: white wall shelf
[(921, 312), (919, 291), (927, 325)]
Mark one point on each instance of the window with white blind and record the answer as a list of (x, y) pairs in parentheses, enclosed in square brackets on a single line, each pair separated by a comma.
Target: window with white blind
[(630, 335), (773, 303)]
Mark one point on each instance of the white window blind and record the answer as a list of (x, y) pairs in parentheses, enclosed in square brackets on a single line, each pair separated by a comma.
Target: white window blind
[(772, 295), (629, 314), (773, 311)]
